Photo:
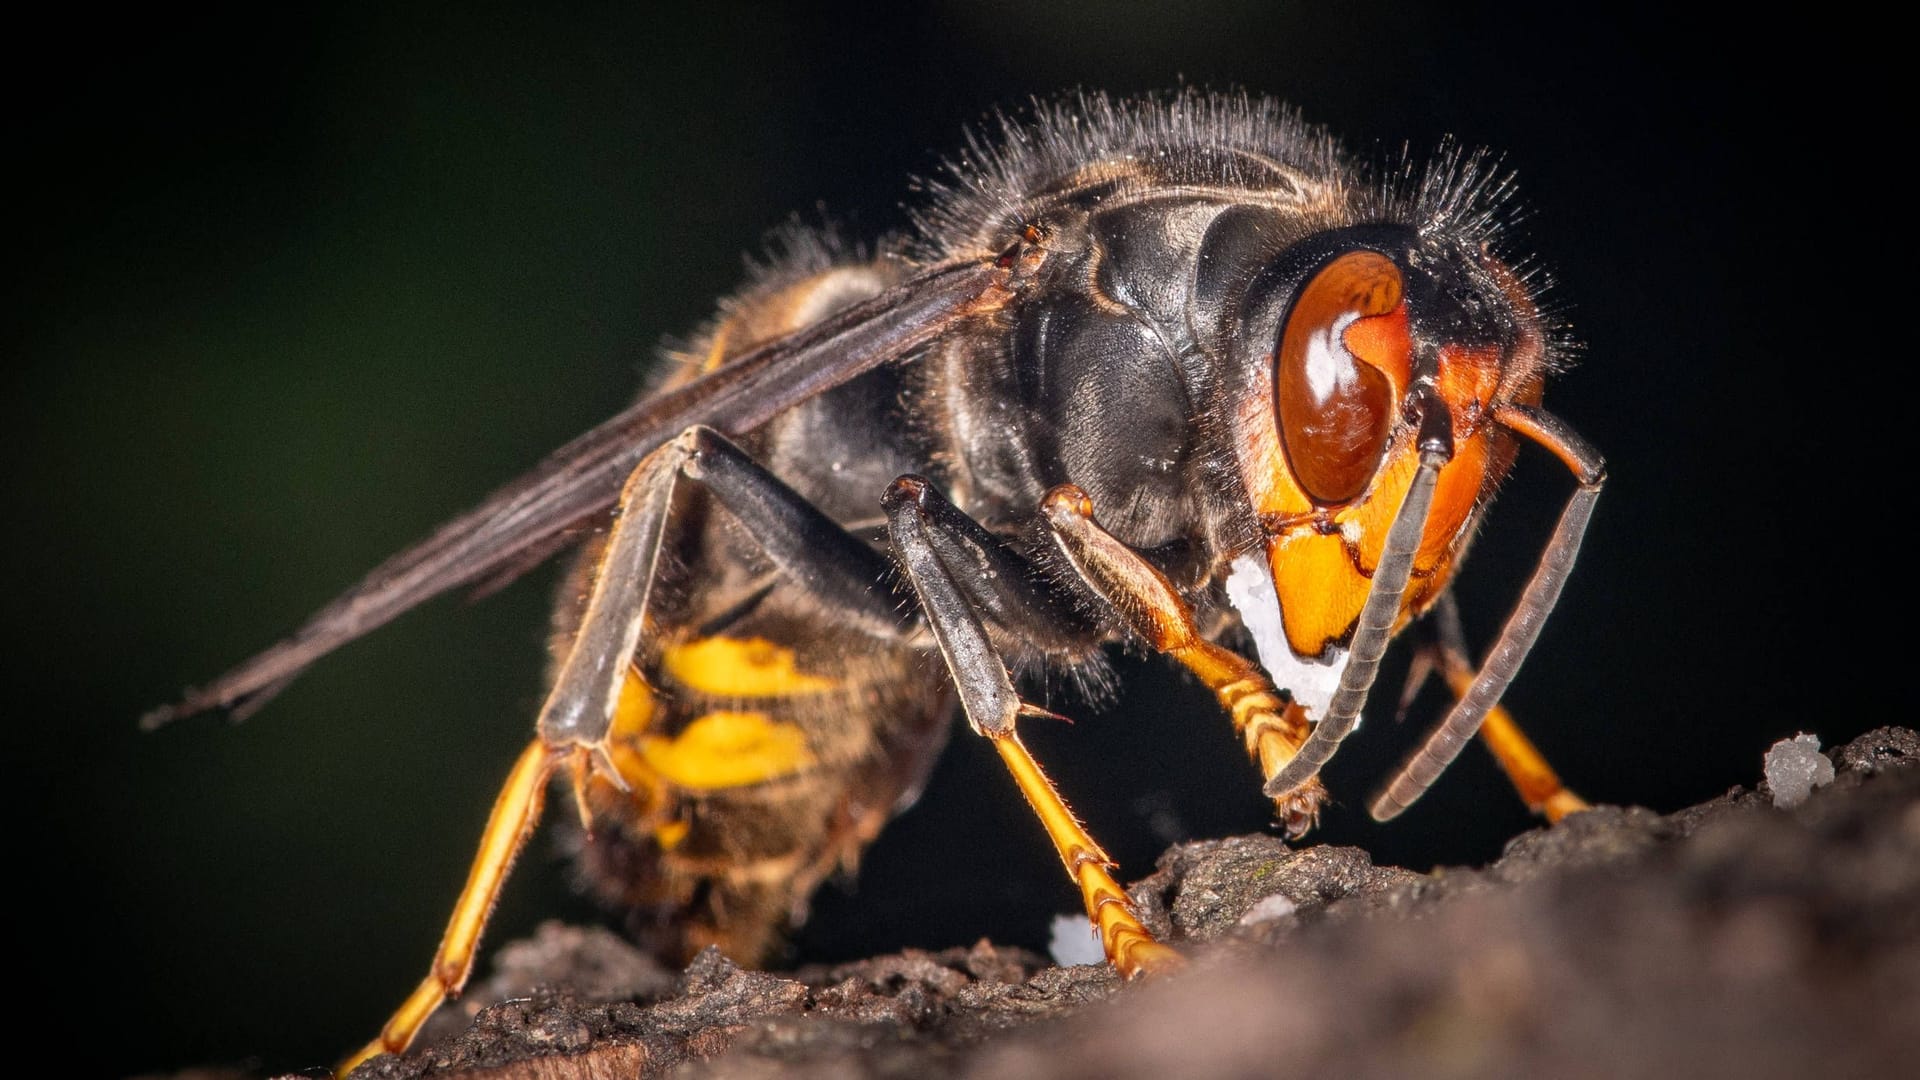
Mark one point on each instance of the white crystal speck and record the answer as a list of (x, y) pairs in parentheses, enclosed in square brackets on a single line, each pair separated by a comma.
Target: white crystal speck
[(1794, 768)]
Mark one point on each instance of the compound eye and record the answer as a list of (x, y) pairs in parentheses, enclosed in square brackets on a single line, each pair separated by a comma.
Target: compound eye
[(1346, 330)]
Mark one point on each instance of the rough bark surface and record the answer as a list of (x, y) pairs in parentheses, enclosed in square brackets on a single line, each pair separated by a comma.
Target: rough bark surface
[(1729, 939)]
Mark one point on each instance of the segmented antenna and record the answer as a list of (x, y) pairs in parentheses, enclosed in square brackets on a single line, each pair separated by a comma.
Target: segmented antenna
[(1375, 627), (1523, 626)]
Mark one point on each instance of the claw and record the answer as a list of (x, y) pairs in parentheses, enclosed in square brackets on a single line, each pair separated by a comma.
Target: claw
[(1299, 809)]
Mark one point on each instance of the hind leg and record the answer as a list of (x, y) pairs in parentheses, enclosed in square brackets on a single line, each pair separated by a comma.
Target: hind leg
[(578, 720)]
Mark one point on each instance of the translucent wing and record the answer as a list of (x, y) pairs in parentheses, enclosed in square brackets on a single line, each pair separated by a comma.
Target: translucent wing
[(527, 519)]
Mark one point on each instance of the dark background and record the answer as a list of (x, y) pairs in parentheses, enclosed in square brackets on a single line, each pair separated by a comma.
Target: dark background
[(289, 291)]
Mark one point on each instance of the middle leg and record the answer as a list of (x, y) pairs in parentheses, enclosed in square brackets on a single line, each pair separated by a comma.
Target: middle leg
[(926, 538)]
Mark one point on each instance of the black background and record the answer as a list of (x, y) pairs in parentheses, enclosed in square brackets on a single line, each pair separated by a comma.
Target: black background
[(288, 291)]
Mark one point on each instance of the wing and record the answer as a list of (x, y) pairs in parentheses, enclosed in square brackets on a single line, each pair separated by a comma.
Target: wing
[(526, 520)]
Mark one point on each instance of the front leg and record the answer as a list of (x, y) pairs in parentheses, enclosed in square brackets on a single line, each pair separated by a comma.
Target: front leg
[(1273, 727), (1526, 768), (924, 538)]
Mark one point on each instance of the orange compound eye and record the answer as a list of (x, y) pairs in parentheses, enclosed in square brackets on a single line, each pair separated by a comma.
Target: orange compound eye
[(1346, 332)]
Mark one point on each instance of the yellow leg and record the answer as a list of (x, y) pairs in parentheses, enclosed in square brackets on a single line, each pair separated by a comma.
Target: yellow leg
[(1129, 945), (1539, 786), (1273, 729), (515, 813)]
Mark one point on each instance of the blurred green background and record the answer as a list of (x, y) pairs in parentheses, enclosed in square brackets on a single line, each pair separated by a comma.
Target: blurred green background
[(285, 291)]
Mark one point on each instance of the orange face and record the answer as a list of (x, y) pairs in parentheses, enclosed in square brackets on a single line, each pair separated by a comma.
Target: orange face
[(1328, 460)]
